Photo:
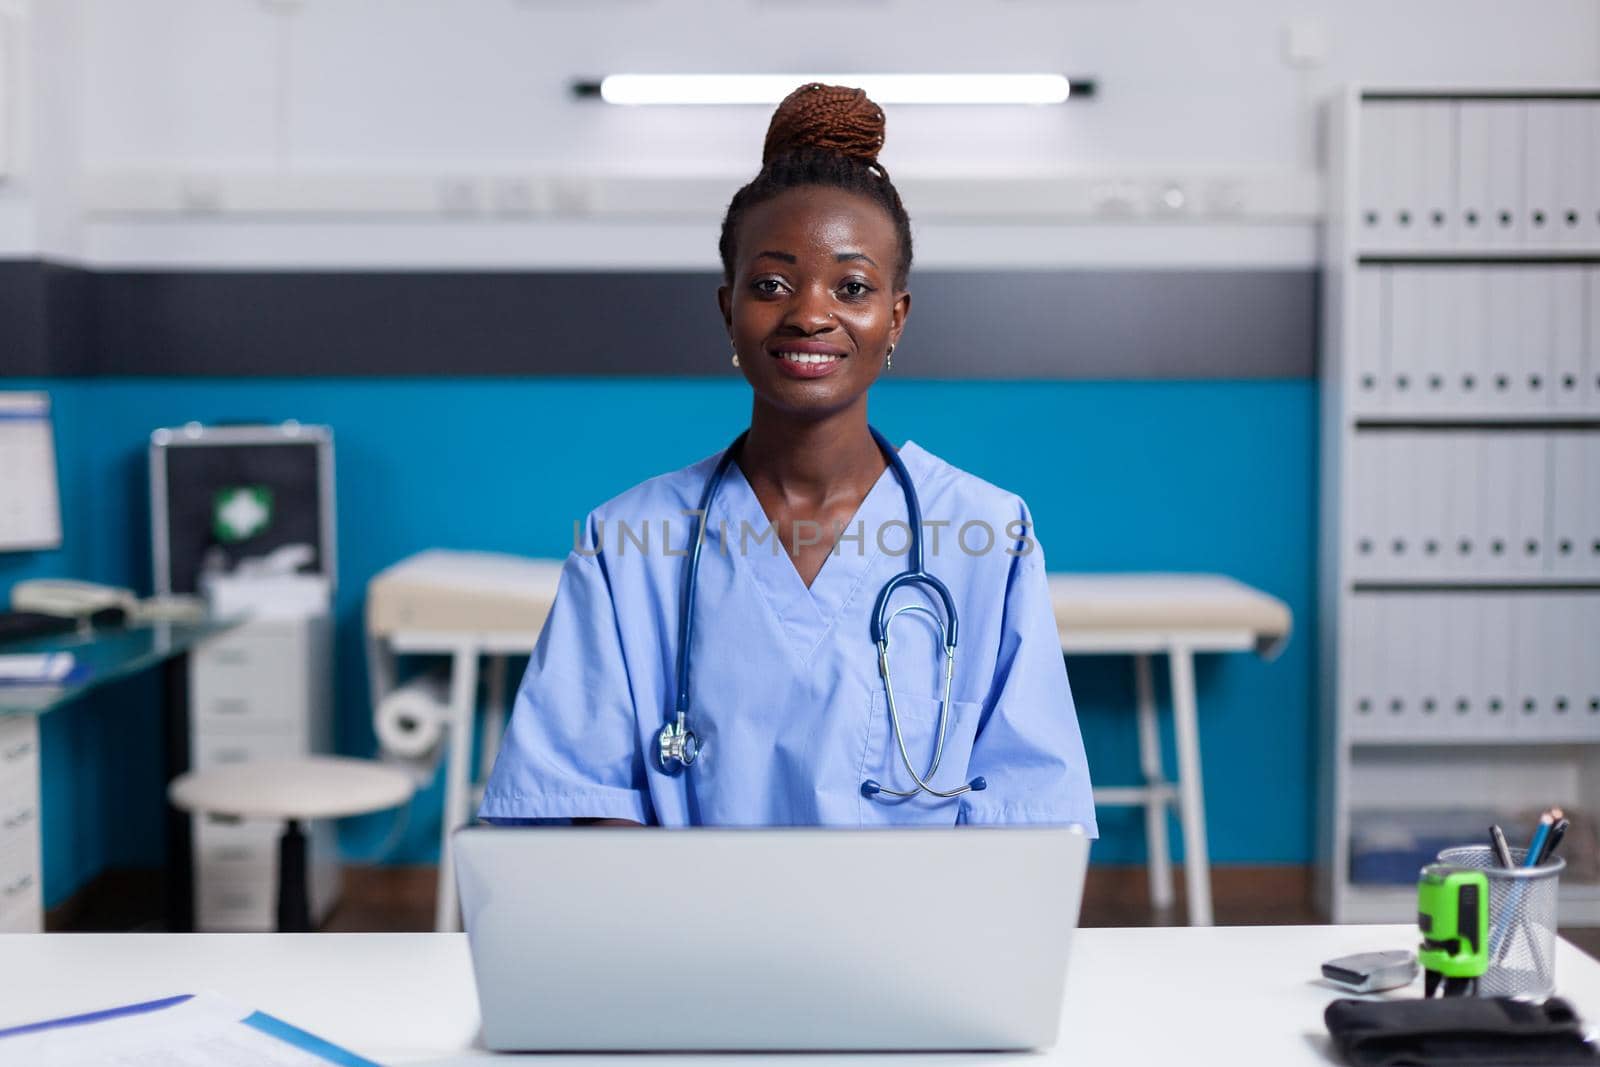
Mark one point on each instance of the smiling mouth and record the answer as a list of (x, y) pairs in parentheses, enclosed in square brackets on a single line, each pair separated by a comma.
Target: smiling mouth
[(809, 358)]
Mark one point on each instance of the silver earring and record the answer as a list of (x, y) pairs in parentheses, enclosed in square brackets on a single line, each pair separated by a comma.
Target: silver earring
[(888, 359), (735, 353)]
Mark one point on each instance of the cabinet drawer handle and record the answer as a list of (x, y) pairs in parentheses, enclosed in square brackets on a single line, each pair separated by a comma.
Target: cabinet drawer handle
[(16, 752), (18, 886), (230, 706), (21, 818)]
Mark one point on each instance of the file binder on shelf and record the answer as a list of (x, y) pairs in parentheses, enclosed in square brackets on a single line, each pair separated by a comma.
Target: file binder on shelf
[(1541, 206), (1435, 125), (1467, 342), (1505, 120), (1376, 202), (1588, 475), (1429, 504), (1502, 341), (1591, 366), (1569, 506), (1397, 473), (1463, 553), (1369, 353), (1574, 219), (1529, 503), (1464, 715), (1535, 328), (1566, 338), (1367, 540), (1408, 341), (1462, 370)]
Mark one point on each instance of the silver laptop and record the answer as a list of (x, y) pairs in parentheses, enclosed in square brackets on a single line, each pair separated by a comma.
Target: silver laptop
[(798, 939)]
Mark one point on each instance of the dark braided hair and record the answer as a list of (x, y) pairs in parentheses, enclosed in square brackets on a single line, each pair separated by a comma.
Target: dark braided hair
[(826, 135)]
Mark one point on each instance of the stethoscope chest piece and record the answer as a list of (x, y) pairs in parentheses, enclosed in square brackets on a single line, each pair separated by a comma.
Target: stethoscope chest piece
[(677, 746)]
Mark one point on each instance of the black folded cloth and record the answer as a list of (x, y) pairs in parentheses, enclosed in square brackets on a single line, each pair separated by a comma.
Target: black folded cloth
[(1480, 1031)]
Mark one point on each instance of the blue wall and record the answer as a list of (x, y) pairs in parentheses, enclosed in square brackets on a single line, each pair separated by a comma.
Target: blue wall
[(1148, 475)]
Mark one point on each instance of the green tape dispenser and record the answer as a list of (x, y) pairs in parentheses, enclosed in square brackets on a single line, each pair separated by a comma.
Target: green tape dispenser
[(1453, 915)]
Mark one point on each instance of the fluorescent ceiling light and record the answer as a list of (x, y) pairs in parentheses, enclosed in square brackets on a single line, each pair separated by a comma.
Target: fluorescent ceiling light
[(883, 88)]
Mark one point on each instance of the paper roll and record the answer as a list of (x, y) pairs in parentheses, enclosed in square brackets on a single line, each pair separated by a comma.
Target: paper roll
[(410, 723)]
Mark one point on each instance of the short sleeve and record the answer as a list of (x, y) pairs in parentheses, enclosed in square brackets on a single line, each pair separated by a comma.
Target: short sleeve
[(571, 749), (1028, 747)]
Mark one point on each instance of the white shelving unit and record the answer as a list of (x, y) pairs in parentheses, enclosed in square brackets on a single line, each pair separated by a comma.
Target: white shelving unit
[(1460, 584)]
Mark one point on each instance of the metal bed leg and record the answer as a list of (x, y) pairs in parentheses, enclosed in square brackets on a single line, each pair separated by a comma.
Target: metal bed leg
[(1191, 797), (494, 714), (458, 779), (1159, 858)]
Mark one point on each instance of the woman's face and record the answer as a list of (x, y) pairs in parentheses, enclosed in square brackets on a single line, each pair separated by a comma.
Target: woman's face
[(813, 309)]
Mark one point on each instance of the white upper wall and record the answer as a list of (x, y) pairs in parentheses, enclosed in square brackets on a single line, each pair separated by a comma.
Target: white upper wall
[(432, 87), (40, 110), (419, 83)]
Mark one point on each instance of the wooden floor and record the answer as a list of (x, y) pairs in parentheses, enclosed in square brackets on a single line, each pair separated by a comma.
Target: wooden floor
[(401, 899)]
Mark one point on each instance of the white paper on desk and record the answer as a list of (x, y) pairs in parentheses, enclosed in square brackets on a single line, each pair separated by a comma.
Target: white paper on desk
[(204, 1030)]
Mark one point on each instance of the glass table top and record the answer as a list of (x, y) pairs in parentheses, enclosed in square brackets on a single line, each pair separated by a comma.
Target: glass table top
[(103, 656)]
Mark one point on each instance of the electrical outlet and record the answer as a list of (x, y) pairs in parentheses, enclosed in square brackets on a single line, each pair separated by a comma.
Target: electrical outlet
[(457, 196), (201, 196), (1224, 197), (1117, 198), (513, 196)]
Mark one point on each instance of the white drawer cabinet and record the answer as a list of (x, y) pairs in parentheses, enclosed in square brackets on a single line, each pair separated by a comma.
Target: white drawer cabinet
[(238, 889), (21, 892), (259, 676), (262, 691)]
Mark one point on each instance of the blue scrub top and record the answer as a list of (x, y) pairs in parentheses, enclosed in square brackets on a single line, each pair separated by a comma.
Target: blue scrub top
[(785, 692)]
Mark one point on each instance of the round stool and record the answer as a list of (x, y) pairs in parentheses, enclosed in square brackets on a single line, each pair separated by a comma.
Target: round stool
[(292, 791)]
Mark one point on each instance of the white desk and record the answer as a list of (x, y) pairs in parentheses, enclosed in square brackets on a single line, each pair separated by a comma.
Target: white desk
[(1135, 996), (1141, 615)]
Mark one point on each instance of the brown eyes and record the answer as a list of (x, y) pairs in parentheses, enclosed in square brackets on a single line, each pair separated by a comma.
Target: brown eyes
[(852, 290)]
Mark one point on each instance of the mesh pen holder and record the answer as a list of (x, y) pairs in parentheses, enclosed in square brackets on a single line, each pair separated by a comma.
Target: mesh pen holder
[(1522, 921)]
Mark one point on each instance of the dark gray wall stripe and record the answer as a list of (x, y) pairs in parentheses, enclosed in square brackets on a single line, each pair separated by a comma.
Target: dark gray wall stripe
[(44, 320), (964, 324), (23, 350)]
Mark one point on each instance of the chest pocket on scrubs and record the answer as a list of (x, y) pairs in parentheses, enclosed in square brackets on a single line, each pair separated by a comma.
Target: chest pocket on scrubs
[(919, 723)]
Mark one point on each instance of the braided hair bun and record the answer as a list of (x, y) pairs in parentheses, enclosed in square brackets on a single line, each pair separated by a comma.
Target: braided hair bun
[(834, 118), (822, 136)]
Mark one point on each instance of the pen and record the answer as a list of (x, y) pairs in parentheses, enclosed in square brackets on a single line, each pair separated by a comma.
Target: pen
[(1502, 851), (1500, 938), (1536, 846), (1553, 841)]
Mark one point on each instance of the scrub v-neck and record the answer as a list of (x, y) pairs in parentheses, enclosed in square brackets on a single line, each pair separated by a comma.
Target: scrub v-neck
[(807, 614)]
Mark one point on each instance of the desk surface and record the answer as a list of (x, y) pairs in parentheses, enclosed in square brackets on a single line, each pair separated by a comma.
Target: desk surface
[(1134, 996), (106, 656)]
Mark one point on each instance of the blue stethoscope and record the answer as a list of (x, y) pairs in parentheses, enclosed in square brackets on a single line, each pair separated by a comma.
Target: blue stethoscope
[(677, 747)]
